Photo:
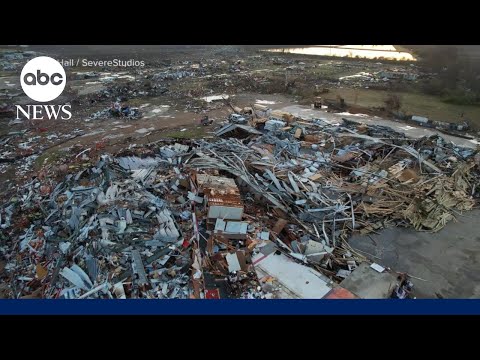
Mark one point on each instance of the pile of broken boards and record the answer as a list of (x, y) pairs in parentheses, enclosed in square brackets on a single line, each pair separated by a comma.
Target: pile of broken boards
[(355, 176), (265, 217)]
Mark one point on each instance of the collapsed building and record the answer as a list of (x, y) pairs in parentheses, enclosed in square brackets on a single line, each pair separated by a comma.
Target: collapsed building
[(222, 197), (264, 212)]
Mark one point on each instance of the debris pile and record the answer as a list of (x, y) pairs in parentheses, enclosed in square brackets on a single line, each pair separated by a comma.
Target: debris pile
[(13, 60), (169, 75), (264, 216), (392, 75), (96, 221), (127, 112)]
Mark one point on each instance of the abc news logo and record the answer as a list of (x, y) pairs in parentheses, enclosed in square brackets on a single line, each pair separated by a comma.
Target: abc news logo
[(43, 79)]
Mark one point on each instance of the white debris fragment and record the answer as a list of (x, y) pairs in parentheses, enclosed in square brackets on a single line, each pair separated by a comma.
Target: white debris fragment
[(64, 246), (377, 267)]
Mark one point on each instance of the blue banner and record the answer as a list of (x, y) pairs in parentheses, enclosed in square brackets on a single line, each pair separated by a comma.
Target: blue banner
[(240, 307)]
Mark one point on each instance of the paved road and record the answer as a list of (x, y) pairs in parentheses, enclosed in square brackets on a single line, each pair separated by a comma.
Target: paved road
[(448, 260)]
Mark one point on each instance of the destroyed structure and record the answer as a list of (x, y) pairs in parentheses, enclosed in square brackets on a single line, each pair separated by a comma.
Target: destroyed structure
[(263, 209), (266, 213)]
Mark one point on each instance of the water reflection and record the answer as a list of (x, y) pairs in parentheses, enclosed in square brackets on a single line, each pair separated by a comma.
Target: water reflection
[(387, 52)]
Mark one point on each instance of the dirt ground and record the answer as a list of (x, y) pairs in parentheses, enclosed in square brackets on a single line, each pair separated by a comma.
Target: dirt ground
[(446, 260), (176, 113), (117, 133)]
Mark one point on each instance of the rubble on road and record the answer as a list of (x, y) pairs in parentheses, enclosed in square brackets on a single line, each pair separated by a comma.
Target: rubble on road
[(265, 215)]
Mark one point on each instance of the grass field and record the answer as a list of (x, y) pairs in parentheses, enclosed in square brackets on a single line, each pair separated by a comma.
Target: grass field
[(413, 103), (191, 133)]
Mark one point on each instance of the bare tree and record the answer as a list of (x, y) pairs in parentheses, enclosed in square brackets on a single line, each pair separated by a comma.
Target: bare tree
[(393, 102)]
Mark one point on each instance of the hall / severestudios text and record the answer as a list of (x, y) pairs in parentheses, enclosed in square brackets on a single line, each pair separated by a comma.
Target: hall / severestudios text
[(102, 63)]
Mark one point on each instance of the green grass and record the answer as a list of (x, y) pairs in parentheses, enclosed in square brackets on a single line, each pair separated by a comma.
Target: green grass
[(413, 103), (193, 133), (153, 101), (331, 71), (7, 74), (49, 157)]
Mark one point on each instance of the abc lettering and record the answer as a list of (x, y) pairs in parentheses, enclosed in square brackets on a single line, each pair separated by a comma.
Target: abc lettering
[(42, 78)]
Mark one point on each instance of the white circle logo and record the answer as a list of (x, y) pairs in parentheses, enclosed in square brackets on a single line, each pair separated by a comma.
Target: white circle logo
[(43, 79)]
